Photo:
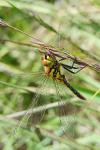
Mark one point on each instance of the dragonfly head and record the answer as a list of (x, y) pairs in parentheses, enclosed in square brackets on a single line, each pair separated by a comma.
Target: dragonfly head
[(48, 60)]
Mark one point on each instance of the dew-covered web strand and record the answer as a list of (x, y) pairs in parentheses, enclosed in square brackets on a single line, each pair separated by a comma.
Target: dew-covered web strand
[(32, 105)]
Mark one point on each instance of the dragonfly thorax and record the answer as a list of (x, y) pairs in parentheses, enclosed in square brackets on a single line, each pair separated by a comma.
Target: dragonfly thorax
[(51, 66)]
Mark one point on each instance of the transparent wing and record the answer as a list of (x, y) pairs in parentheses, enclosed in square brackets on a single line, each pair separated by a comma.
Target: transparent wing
[(39, 89), (69, 111), (33, 117), (28, 91)]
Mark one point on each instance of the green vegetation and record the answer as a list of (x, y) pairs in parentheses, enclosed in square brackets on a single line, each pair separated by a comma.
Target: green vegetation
[(30, 117)]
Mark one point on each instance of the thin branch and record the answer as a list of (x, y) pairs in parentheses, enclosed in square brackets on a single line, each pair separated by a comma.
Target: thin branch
[(53, 105), (19, 43), (38, 42), (2, 24), (36, 109)]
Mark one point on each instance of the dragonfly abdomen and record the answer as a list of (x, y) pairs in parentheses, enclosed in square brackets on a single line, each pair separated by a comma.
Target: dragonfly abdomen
[(72, 89)]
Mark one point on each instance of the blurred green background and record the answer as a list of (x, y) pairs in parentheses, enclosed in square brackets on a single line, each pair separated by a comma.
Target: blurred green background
[(72, 25)]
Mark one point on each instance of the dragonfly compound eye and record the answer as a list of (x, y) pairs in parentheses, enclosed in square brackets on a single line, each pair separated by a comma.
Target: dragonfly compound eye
[(44, 61)]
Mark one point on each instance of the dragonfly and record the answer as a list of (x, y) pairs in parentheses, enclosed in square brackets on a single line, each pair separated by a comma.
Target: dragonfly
[(52, 66), (53, 63)]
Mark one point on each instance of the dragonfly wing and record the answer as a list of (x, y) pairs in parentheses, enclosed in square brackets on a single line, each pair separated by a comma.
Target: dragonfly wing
[(27, 91), (68, 112), (33, 116)]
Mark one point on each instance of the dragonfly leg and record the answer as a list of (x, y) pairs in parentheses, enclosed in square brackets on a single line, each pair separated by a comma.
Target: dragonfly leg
[(62, 59), (75, 69), (72, 66), (79, 69), (74, 62)]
